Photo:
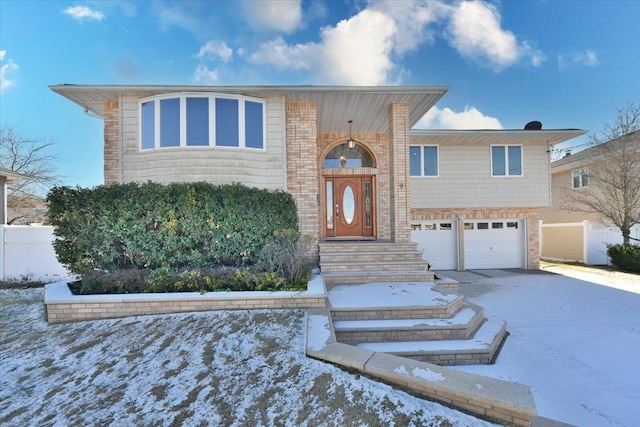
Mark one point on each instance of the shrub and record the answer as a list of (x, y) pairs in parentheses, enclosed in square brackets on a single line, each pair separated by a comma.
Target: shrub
[(625, 257), (176, 226), (165, 279), (288, 256)]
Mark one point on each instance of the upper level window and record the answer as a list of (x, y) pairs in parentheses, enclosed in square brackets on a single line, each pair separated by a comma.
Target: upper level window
[(580, 177), (506, 160), (201, 120), (423, 160)]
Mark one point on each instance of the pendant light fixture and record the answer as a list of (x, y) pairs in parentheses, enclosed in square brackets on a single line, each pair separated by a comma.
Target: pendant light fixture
[(351, 142)]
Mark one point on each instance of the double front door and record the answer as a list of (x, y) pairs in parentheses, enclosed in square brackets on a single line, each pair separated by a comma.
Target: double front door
[(349, 206)]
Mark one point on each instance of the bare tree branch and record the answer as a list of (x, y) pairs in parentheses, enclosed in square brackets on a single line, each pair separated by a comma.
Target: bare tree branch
[(28, 157), (614, 173)]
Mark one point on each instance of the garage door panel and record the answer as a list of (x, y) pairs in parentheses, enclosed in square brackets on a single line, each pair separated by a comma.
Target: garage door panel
[(494, 244), (438, 242)]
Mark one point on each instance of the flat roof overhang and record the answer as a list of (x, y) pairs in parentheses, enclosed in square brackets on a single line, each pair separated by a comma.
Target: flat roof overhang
[(497, 136), (366, 106)]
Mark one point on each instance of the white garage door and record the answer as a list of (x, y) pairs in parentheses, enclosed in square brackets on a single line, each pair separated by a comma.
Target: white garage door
[(438, 242), (494, 244)]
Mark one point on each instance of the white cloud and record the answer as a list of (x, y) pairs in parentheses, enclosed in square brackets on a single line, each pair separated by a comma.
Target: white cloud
[(586, 57), (274, 15), (446, 118), (215, 48), (475, 31), (416, 21), (204, 76), (282, 56), (365, 49), (81, 13), (6, 81), (357, 51)]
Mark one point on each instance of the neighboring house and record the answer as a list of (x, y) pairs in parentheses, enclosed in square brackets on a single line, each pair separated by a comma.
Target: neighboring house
[(357, 172), (6, 176), (26, 210), (569, 235), (26, 252)]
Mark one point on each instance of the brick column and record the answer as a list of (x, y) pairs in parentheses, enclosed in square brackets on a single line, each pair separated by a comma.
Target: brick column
[(302, 166), (400, 202), (111, 142)]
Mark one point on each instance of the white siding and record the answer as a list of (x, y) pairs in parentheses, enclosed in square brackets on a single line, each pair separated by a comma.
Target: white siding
[(465, 180), (264, 169)]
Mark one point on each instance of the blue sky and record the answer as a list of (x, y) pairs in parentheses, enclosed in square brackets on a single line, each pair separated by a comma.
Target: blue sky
[(568, 64)]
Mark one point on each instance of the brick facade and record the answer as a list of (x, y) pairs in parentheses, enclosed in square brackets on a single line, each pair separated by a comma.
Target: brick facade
[(400, 200), (303, 181), (112, 146)]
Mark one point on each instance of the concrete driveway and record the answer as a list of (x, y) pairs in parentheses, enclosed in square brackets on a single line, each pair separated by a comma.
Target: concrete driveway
[(574, 341)]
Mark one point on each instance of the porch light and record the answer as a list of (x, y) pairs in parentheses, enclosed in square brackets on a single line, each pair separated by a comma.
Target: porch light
[(351, 142)]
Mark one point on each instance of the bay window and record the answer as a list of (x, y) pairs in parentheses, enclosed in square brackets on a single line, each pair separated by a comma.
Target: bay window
[(202, 120)]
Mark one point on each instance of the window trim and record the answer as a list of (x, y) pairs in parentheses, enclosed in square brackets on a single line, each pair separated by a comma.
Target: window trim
[(506, 160), (581, 173), (182, 97), (422, 147)]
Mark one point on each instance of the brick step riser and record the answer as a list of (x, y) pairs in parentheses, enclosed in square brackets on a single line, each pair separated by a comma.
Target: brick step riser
[(413, 334), (370, 247), (452, 359), (444, 312), (353, 279), (459, 357), (372, 257), (380, 266)]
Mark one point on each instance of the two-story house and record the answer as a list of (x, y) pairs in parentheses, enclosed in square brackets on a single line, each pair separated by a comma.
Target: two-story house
[(349, 156)]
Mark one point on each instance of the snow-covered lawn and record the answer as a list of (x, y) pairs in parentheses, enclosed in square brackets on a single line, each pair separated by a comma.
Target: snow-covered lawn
[(574, 342), (231, 368)]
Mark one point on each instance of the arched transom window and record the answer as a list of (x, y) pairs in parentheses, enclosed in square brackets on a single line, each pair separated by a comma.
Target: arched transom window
[(341, 156)]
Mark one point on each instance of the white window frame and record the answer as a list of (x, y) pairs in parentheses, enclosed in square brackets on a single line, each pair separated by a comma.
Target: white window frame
[(582, 172), (182, 96), (506, 160), (422, 175)]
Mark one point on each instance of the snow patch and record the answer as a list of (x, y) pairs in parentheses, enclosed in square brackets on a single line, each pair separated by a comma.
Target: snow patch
[(318, 332), (425, 374)]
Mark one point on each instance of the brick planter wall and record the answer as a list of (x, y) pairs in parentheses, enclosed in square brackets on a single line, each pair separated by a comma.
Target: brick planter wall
[(63, 306)]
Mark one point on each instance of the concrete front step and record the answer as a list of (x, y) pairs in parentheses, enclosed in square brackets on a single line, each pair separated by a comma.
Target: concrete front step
[(459, 327), (478, 350), (361, 277), (372, 264), (385, 301)]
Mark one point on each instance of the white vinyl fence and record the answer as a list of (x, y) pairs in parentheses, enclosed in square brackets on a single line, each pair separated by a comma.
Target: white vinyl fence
[(584, 241), (26, 253)]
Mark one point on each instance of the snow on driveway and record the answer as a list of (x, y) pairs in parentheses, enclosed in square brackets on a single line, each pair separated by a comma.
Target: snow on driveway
[(575, 343), (227, 368)]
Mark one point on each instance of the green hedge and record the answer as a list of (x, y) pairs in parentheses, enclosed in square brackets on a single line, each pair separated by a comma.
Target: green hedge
[(186, 225), (625, 257), (164, 279)]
